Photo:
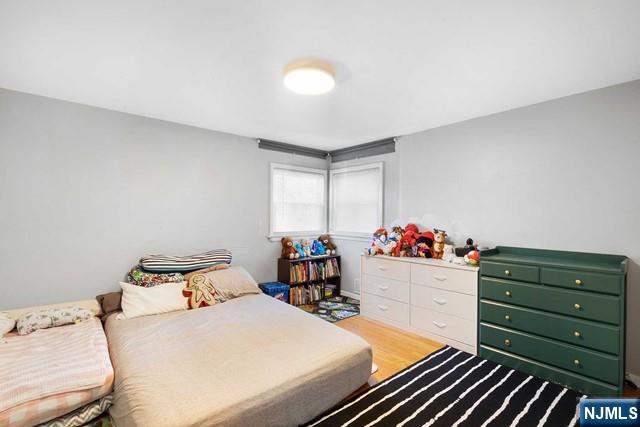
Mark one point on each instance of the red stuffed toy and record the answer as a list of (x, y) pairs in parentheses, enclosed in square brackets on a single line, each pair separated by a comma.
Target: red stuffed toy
[(408, 241)]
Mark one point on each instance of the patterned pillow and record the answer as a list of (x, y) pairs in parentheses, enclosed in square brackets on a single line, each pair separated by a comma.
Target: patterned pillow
[(6, 324), (50, 318), (139, 277), (162, 263), (200, 292)]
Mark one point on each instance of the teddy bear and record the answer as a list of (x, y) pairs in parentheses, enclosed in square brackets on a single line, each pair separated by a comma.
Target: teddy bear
[(377, 243), (330, 247), (438, 243), (407, 241), (288, 251), (317, 248), (299, 249), (306, 247)]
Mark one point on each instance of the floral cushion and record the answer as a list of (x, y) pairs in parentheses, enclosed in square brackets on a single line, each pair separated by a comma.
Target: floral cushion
[(50, 318), (145, 279), (6, 324)]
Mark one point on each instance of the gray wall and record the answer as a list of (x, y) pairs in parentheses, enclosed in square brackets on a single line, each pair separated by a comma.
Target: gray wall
[(562, 174), (84, 192)]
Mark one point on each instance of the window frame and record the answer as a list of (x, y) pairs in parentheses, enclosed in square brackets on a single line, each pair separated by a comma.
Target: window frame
[(355, 234), (277, 235)]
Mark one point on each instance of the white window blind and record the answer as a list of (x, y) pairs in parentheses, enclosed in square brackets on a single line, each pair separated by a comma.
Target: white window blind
[(298, 200), (356, 200)]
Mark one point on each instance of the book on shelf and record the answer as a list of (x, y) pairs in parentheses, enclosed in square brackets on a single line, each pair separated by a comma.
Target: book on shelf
[(307, 294), (332, 269)]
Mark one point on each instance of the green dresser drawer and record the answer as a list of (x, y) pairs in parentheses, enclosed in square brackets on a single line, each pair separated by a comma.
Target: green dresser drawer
[(591, 387), (582, 280), (571, 358), (585, 305), (501, 270), (596, 336)]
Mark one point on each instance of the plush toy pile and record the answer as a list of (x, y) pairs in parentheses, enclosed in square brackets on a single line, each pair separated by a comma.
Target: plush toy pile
[(323, 245), (410, 242)]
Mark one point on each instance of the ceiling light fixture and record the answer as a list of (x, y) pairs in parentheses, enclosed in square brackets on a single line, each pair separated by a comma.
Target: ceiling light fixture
[(309, 77)]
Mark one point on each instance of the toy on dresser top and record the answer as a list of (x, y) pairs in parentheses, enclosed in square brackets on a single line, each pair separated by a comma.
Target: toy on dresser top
[(410, 242), (321, 246)]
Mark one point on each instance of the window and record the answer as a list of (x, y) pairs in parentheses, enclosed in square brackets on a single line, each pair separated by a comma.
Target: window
[(356, 200), (298, 200)]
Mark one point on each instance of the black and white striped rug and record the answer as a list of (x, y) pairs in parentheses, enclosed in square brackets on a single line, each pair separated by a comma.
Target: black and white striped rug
[(452, 388)]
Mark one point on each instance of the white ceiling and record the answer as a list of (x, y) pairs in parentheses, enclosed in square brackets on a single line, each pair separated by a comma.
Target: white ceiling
[(402, 66)]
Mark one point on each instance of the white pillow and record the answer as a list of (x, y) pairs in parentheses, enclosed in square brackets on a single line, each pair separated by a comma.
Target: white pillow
[(6, 324), (140, 301)]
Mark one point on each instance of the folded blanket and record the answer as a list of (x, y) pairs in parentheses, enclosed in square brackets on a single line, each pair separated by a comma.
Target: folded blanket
[(83, 415), (161, 263)]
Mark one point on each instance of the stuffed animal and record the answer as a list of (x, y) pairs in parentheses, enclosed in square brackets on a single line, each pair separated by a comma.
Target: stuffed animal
[(317, 248), (472, 258), (299, 249), (407, 241), (378, 243), (306, 247), (393, 241), (438, 243), (288, 251), (331, 248), (424, 245), (448, 254)]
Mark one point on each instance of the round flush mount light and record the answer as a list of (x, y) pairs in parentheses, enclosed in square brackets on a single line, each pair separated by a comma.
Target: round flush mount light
[(309, 77)]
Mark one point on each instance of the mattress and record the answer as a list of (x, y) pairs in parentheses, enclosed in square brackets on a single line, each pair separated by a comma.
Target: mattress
[(251, 361), (52, 372)]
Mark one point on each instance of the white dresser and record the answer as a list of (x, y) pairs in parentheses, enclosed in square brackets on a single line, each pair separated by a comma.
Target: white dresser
[(433, 298)]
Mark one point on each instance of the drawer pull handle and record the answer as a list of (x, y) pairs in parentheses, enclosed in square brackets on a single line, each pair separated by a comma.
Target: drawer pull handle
[(577, 334), (577, 306), (383, 307), (576, 362), (507, 318), (507, 272), (578, 282), (439, 301), (440, 324), (381, 268), (440, 278), (507, 342), (507, 293), (383, 288)]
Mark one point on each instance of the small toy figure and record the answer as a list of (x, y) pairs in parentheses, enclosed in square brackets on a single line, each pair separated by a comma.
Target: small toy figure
[(466, 248), (306, 247), (317, 248), (438, 243), (378, 243), (330, 247), (472, 258), (299, 249), (448, 255), (424, 245), (288, 251)]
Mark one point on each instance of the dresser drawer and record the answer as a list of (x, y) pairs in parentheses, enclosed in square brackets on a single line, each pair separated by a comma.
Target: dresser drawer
[(581, 361), (452, 303), (591, 387), (385, 308), (387, 268), (451, 279), (388, 288), (525, 273), (583, 333), (595, 282), (451, 327), (586, 305)]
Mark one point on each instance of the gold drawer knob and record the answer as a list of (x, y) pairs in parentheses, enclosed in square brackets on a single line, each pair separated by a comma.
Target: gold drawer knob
[(577, 306), (577, 334), (576, 362), (507, 272), (578, 282), (507, 293), (507, 342), (507, 317)]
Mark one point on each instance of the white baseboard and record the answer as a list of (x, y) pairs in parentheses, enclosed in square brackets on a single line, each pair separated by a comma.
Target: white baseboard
[(349, 294), (635, 379)]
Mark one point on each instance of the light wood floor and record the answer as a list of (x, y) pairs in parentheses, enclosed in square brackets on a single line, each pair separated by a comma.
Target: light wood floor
[(394, 349)]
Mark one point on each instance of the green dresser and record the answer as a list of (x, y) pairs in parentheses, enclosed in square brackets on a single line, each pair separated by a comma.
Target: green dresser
[(556, 315)]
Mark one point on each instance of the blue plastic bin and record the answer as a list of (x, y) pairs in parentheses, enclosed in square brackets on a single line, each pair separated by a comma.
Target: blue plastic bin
[(279, 291)]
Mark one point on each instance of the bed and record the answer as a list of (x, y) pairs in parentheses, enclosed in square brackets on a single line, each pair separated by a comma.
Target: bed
[(249, 361), (52, 372)]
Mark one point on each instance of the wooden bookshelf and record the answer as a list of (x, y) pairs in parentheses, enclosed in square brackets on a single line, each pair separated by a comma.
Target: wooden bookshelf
[(285, 276)]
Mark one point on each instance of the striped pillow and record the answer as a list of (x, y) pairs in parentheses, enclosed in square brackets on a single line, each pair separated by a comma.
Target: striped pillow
[(161, 263)]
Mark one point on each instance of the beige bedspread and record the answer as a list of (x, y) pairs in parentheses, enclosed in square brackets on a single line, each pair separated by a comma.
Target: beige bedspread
[(251, 361)]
